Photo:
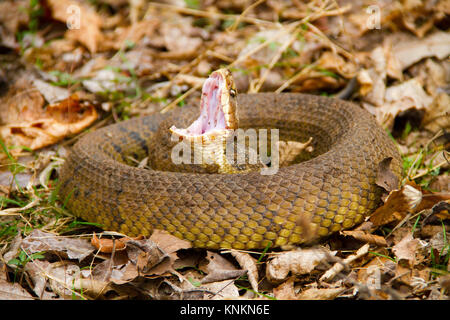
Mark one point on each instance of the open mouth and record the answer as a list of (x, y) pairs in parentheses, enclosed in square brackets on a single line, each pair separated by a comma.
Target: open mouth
[(213, 116)]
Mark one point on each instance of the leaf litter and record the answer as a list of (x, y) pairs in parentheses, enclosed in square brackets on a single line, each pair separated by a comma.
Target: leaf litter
[(133, 58)]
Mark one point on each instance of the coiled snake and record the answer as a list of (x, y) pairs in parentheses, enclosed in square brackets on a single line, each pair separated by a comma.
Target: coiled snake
[(333, 190)]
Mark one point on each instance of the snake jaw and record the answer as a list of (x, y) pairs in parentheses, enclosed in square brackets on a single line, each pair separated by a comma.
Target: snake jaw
[(217, 109)]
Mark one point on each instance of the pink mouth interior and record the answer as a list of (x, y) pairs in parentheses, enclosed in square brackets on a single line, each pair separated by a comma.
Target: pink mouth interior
[(211, 113)]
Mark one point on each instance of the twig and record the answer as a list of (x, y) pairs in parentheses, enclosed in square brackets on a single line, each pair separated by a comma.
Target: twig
[(216, 15), (339, 266)]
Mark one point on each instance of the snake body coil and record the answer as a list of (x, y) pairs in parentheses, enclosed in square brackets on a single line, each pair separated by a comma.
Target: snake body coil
[(332, 191)]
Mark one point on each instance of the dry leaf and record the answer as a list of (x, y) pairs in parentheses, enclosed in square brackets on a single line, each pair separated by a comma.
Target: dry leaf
[(88, 31), (372, 274), (13, 15), (406, 249), (297, 262), (320, 294), (397, 204), (107, 245), (442, 209), (385, 177), (67, 281), (248, 263), (437, 116), (285, 291), (27, 123), (218, 268), (289, 150), (13, 291), (145, 254), (42, 241), (36, 270), (366, 237), (408, 52), (51, 93), (400, 98), (338, 267), (170, 245), (221, 290)]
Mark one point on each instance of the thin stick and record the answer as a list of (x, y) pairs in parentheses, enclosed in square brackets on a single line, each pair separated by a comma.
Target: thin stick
[(239, 18), (206, 14)]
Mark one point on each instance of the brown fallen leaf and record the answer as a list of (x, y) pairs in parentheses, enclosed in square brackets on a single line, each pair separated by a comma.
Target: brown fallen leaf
[(441, 184), (170, 245), (365, 237), (285, 291), (218, 268), (221, 290), (248, 263), (67, 281), (320, 293), (13, 15), (26, 122), (373, 273), (290, 150), (406, 249), (145, 254), (13, 291), (437, 116), (397, 205), (339, 266), (400, 98), (85, 23), (442, 210), (411, 50), (107, 245), (42, 241), (385, 177), (296, 262)]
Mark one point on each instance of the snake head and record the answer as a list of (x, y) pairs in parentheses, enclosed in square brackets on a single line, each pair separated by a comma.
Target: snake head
[(218, 109)]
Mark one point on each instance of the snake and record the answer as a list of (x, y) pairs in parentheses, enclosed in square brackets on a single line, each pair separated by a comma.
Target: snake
[(331, 187)]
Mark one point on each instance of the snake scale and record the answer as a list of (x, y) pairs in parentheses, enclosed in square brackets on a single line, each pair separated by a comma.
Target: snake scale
[(302, 202)]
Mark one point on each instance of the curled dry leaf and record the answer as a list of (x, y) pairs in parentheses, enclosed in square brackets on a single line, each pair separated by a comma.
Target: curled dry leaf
[(51, 93), (399, 98), (320, 293), (406, 249), (437, 116), (13, 291), (42, 241), (170, 245), (373, 272), (86, 30), (442, 209), (27, 123), (67, 281), (285, 291), (36, 269), (408, 52), (289, 150), (365, 237), (145, 254), (297, 262), (107, 245), (248, 263), (397, 205), (385, 177), (338, 267), (221, 290), (218, 268)]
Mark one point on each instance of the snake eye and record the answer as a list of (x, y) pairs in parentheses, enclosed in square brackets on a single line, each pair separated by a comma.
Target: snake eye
[(233, 93)]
